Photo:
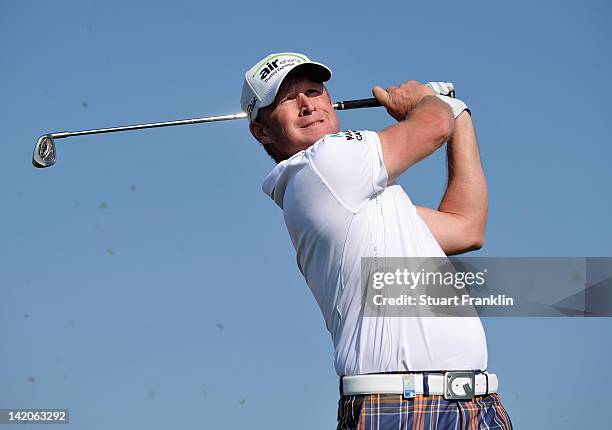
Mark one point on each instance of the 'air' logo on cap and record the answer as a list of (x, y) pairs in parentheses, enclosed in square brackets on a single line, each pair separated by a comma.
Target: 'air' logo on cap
[(270, 66)]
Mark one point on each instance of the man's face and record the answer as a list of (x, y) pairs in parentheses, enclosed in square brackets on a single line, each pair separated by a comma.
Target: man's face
[(301, 114)]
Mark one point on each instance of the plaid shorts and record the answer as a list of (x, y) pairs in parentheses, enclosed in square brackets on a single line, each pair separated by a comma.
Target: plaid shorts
[(392, 411)]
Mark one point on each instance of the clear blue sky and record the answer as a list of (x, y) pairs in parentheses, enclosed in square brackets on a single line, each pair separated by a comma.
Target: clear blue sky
[(146, 280)]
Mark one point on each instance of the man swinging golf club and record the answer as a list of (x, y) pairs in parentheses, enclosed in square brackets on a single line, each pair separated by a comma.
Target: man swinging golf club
[(340, 203)]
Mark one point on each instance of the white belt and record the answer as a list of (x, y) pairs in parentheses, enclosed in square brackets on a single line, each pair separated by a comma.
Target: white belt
[(451, 385)]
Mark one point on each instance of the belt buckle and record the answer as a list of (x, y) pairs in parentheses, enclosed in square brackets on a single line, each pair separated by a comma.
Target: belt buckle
[(459, 385), (409, 386)]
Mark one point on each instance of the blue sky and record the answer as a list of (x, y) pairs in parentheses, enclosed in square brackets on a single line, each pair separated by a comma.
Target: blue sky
[(148, 282)]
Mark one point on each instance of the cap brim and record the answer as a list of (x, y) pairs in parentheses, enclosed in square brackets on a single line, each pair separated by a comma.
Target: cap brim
[(318, 71)]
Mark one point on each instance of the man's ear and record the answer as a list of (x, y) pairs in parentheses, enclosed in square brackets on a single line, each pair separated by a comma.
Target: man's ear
[(259, 132)]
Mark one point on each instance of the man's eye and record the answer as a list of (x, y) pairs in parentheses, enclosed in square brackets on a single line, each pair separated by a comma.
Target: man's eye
[(287, 99), (313, 93)]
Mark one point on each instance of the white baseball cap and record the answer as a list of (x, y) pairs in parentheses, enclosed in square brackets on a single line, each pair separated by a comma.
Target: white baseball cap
[(262, 81)]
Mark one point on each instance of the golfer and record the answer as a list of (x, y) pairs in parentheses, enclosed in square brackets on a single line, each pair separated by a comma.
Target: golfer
[(340, 203)]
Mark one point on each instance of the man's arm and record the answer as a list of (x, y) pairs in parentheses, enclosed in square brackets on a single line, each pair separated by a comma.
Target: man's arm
[(425, 123), (459, 223)]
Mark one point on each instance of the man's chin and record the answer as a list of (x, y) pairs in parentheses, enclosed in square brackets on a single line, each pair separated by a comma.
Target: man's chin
[(316, 132), (311, 140)]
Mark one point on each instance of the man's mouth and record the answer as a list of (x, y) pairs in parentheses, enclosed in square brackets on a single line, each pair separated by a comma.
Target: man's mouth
[(313, 123)]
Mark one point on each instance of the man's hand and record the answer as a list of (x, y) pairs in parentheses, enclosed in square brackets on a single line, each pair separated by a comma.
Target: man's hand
[(424, 123), (399, 101)]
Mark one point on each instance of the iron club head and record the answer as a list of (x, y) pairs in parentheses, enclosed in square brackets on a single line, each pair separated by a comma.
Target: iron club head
[(44, 152)]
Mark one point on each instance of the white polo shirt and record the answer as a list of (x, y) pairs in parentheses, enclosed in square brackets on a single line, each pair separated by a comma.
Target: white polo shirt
[(338, 208)]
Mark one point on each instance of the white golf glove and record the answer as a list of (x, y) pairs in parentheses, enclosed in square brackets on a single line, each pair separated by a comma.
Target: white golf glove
[(442, 88), (446, 92)]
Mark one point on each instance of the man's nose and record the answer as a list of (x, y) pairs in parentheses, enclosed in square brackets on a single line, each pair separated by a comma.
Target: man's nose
[(305, 104)]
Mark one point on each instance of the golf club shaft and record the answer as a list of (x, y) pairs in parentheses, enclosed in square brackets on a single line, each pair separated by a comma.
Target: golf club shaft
[(342, 105), (63, 134)]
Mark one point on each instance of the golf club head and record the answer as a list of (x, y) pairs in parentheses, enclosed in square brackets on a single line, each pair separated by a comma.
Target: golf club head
[(44, 152)]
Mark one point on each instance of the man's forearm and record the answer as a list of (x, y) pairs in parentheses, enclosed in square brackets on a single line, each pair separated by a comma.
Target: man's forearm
[(422, 132), (466, 194)]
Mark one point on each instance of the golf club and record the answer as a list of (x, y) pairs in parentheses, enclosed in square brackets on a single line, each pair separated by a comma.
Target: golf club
[(45, 153)]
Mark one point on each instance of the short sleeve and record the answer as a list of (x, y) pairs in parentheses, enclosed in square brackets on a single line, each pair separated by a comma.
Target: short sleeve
[(351, 165)]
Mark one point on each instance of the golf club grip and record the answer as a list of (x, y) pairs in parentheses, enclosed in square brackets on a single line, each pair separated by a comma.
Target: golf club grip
[(372, 102), (357, 104)]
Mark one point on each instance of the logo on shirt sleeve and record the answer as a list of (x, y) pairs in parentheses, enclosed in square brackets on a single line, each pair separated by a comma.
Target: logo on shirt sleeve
[(348, 135)]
